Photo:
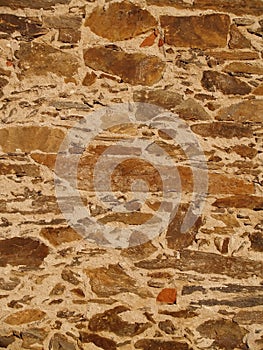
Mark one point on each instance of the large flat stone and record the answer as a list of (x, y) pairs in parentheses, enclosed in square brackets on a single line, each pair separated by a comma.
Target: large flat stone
[(244, 111), (25, 316), (36, 4), (222, 129)]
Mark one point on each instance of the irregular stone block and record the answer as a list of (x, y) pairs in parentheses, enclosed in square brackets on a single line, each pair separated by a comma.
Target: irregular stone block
[(167, 296), (59, 235), (25, 316), (237, 39), (244, 111), (101, 342), (156, 344), (240, 201), (37, 4), (243, 67)]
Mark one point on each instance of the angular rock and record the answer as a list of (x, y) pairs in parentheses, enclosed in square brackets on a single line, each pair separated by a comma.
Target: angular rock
[(219, 183), (222, 129), (249, 317), (3, 82), (179, 314), (207, 263), (89, 79), (40, 59), (225, 333), (30, 138), (225, 83), (28, 27), (206, 31), (25, 316), (20, 170), (37, 4), (133, 68), (10, 285), (258, 90), (6, 340), (22, 251), (245, 151), (157, 344), (46, 159), (111, 321), (241, 302), (67, 35), (243, 67), (69, 276), (167, 326), (244, 111), (32, 336), (139, 251), (167, 296), (62, 21), (159, 97), (59, 235), (190, 109), (233, 55), (59, 341), (237, 39), (120, 21), (101, 342), (256, 239), (240, 201)]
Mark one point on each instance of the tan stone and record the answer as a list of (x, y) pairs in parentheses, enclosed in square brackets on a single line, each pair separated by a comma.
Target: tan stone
[(237, 39), (232, 55), (101, 342), (67, 35), (19, 169), (244, 111), (192, 110), (133, 68), (249, 317), (225, 83), (240, 201), (204, 32), (62, 21), (133, 218), (38, 4), (242, 67), (30, 138), (59, 235), (258, 90), (222, 129), (42, 59), (120, 21), (245, 151), (220, 183), (164, 98), (25, 316), (46, 159), (89, 79)]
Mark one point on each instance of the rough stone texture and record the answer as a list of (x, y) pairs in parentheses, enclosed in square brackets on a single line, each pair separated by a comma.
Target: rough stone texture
[(25, 316), (245, 111)]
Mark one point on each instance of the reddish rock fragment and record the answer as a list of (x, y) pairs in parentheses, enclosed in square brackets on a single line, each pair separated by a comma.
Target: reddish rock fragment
[(167, 296), (89, 79)]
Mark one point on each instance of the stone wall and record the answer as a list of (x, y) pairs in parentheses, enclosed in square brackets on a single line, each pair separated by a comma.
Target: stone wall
[(62, 60)]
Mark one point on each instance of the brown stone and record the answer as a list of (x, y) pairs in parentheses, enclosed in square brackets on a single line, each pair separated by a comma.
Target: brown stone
[(9, 285), (167, 326), (19, 169), (256, 239), (59, 341), (133, 68), (30, 138), (101, 342), (159, 97), (22, 251), (180, 313), (3, 82), (59, 235), (69, 276), (245, 151), (89, 79), (111, 321), (67, 35), (244, 111), (225, 333), (158, 344), (244, 67), (249, 317), (207, 263), (25, 316), (139, 251), (233, 55), (46, 159), (120, 21), (27, 27), (240, 201), (167, 296), (222, 129), (225, 83), (58, 289), (219, 183), (132, 218), (32, 336), (38, 4), (206, 31), (237, 39), (40, 59), (62, 22), (192, 110), (258, 90), (6, 340)]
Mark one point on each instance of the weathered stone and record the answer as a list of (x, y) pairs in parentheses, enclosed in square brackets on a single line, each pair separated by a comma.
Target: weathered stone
[(69, 276), (225, 83), (133, 68), (30, 138), (157, 344), (6, 340), (192, 110), (3, 82), (62, 21), (242, 67), (22, 251), (222, 129), (59, 341), (120, 21), (167, 296), (241, 302), (167, 326), (48, 160), (237, 288), (240, 201), (132, 218), (179, 314), (101, 342), (249, 317), (19, 169), (38, 4), (139, 251), (112, 322), (39, 59), (258, 90), (244, 111), (58, 289), (12, 284), (25, 316), (28, 27), (67, 35), (159, 97), (219, 183), (256, 239), (237, 39), (89, 79), (207, 31), (207, 263), (245, 151), (233, 55), (226, 334), (59, 235), (32, 336)]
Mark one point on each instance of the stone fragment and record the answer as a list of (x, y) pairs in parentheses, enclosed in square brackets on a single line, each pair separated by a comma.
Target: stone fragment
[(9, 285), (249, 317), (37, 4), (133, 68), (225, 83), (111, 321), (59, 341), (225, 333), (32, 336), (167, 326), (132, 218), (167, 296), (190, 109), (222, 129), (120, 21), (58, 289), (6, 340), (206, 31), (89, 79), (237, 39), (207, 263), (30, 138), (25, 316), (245, 151), (240, 201), (46, 159), (69, 276), (256, 239), (3, 82), (179, 314), (258, 90), (243, 67), (27, 27), (62, 21), (22, 251), (158, 344), (67, 35), (59, 235), (219, 183), (19, 169), (159, 97), (139, 251), (233, 55), (101, 342), (39, 59), (244, 111)]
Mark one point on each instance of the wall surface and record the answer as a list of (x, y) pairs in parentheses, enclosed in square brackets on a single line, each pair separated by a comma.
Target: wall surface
[(62, 60)]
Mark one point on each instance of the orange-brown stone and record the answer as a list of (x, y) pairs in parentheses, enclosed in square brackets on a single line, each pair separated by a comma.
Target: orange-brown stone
[(167, 296)]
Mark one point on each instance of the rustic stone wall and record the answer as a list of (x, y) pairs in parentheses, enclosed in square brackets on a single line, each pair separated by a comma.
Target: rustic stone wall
[(61, 60)]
